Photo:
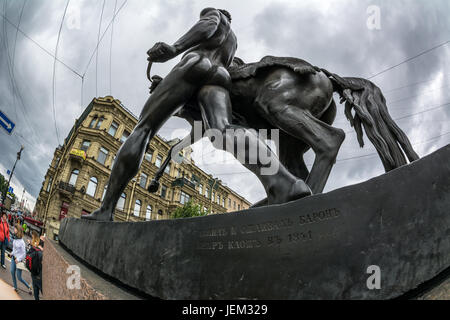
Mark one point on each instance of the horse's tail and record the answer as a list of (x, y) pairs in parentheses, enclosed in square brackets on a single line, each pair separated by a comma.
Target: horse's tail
[(371, 112)]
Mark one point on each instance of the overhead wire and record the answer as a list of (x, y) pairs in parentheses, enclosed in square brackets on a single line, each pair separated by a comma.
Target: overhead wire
[(40, 46), (409, 59), (98, 39), (111, 49), (54, 71)]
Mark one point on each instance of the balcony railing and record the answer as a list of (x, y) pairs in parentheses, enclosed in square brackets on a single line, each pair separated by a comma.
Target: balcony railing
[(180, 182), (66, 187)]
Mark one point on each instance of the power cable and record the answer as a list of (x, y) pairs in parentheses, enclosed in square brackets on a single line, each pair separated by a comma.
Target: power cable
[(110, 50), (409, 59), (98, 39), (40, 46), (101, 38), (54, 70), (14, 53)]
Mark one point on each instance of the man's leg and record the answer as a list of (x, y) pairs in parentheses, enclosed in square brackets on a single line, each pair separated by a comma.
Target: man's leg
[(281, 186), (173, 92), (2, 258)]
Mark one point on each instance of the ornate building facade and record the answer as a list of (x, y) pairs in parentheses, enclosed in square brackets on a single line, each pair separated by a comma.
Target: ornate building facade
[(77, 177)]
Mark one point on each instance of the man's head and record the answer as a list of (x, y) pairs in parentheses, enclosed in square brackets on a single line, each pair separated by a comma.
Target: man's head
[(4, 216), (226, 14)]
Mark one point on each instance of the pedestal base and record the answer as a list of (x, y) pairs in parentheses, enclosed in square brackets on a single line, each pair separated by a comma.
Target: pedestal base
[(395, 228)]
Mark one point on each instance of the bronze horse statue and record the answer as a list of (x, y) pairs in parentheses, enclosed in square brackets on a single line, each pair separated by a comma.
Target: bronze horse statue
[(292, 95)]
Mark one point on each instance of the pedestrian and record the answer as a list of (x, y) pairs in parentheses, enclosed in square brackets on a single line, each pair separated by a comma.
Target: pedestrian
[(4, 238), (35, 267), (18, 255)]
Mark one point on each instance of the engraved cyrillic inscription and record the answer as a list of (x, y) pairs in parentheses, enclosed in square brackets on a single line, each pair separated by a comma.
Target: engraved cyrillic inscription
[(319, 216)]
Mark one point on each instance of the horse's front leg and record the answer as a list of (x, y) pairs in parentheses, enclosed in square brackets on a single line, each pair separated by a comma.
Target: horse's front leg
[(322, 138)]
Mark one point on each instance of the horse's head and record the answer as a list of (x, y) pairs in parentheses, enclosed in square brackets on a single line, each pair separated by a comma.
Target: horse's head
[(237, 62)]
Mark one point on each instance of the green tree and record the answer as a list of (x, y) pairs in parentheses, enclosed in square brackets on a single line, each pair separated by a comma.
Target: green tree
[(3, 184), (4, 188), (187, 211)]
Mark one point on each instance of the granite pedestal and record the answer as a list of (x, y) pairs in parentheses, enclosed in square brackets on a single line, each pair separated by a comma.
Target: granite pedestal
[(320, 247)]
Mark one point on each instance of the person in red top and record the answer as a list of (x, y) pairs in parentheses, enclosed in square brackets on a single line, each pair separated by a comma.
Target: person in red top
[(4, 237)]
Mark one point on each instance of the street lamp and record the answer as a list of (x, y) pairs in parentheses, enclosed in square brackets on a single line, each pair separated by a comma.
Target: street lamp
[(10, 176)]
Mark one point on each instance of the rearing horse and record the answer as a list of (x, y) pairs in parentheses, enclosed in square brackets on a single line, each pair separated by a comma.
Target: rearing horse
[(297, 98)]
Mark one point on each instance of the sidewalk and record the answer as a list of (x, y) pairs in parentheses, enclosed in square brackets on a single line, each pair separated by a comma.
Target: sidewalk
[(7, 292), (6, 284)]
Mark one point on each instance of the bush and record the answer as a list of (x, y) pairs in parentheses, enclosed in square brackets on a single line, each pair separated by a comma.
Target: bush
[(189, 210)]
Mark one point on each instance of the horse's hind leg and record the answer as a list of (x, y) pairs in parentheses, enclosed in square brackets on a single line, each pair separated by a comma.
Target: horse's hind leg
[(322, 138)]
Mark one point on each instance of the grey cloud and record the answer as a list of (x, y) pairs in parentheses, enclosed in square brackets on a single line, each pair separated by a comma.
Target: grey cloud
[(328, 34)]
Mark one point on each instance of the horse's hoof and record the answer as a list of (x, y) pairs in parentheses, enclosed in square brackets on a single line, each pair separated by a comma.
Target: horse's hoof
[(153, 187), (98, 215)]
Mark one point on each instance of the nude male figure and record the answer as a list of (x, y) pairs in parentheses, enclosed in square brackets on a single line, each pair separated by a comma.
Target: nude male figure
[(209, 48)]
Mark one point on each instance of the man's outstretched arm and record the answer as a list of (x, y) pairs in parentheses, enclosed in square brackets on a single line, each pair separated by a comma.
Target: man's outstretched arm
[(201, 31)]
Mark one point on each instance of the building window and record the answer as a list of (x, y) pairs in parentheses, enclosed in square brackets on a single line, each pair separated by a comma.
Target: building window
[(121, 202), (239, 207), (213, 196), (99, 123), (229, 203), (207, 192), (148, 213), (74, 177), (223, 202), (158, 161), (125, 135), (49, 184), (234, 205), (104, 191), (184, 198), (113, 129), (92, 124), (143, 180), (167, 169), (149, 156), (163, 191), (92, 187), (85, 145), (200, 188), (137, 208), (102, 154)]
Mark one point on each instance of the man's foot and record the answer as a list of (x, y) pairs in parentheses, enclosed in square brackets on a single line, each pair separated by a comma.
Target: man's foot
[(30, 292), (99, 215), (286, 192), (153, 186), (3, 266)]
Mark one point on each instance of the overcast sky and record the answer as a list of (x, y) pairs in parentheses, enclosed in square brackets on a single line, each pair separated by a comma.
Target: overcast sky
[(330, 34)]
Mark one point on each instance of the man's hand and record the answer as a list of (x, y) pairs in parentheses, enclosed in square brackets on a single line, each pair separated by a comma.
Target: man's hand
[(161, 52)]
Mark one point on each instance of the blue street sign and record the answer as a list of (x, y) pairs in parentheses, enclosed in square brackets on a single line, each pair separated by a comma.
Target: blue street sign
[(7, 124), (8, 172), (11, 190)]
